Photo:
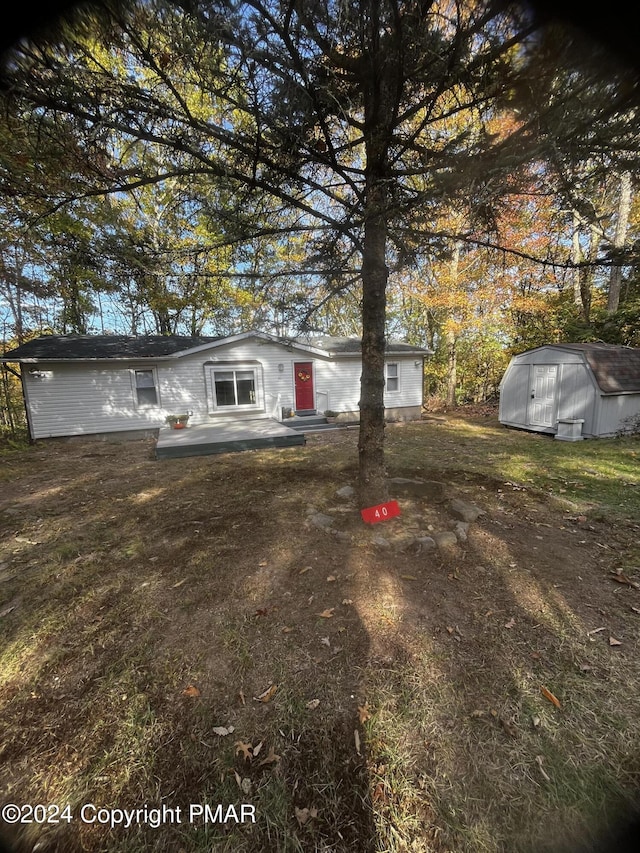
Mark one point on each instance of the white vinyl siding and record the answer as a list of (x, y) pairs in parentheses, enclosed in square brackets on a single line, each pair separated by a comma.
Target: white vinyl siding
[(67, 399), (338, 382), (83, 398)]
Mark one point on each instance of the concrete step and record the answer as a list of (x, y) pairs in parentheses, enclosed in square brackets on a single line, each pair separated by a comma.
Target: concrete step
[(317, 427), (305, 422)]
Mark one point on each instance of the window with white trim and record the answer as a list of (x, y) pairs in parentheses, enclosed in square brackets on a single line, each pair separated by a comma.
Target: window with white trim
[(234, 387), (146, 387), (392, 376)]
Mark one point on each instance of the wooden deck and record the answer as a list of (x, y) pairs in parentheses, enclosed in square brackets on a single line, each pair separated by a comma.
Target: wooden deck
[(229, 437)]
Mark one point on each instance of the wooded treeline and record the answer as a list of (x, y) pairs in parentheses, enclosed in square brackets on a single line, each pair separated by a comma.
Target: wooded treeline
[(453, 173)]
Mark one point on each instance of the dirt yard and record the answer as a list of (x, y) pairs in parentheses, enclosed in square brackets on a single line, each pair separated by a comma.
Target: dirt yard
[(186, 633)]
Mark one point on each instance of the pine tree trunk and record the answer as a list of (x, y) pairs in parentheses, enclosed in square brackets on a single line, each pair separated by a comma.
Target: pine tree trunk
[(379, 71), (372, 473)]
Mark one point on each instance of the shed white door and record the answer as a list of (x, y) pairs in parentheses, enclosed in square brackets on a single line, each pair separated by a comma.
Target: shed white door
[(543, 395)]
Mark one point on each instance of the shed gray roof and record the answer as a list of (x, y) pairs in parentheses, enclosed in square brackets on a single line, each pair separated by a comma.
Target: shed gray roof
[(615, 368)]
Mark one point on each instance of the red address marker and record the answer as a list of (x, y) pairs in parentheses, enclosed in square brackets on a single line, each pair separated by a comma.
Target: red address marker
[(381, 512)]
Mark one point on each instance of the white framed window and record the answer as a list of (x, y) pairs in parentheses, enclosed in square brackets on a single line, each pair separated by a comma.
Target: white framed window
[(145, 384), (392, 376), (234, 387)]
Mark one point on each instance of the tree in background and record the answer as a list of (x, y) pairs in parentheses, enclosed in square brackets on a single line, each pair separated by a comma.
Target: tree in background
[(352, 130), (331, 112)]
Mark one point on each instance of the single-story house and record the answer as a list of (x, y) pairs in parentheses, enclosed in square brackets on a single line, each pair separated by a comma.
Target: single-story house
[(87, 384), (572, 390)]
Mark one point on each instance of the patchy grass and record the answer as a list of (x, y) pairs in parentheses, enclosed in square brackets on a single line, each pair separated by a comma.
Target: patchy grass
[(602, 475), (373, 699), (13, 439)]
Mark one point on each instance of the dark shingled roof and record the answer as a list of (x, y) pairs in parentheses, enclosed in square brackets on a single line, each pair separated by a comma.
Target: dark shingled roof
[(72, 347), (615, 368), (76, 347), (347, 346)]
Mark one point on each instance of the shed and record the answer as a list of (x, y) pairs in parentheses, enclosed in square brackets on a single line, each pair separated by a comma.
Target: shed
[(572, 390)]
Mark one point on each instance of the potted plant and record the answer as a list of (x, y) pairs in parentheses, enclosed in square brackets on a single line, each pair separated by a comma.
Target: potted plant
[(331, 416), (177, 421)]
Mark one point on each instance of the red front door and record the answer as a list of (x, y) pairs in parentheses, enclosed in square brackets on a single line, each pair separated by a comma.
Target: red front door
[(303, 377)]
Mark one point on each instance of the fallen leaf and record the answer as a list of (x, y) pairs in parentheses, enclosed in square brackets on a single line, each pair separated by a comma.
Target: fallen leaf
[(510, 623), (267, 695), (313, 704), (363, 713), (635, 609), (271, 758), (614, 642), (257, 748), (325, 641), (350, 601), (305, 815), (191, 691), (379, 794), (261, 611), (620, 577), (595, 631), (246, 785), (409, 577), (305, 570), (302, 815), (328, 613), (476, 714), (535, 721), (241, 697), (331, 578), (222, 731), (356, 738), (549, 695), (287, 630), (176, 585), (245, 749), (263, 563)]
